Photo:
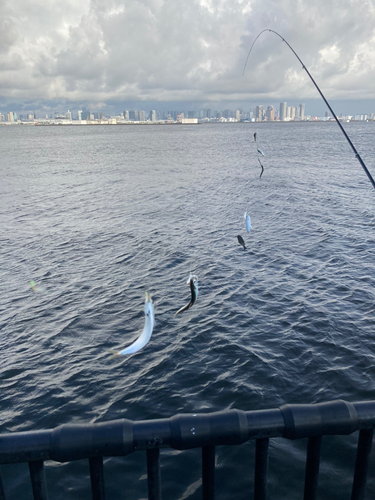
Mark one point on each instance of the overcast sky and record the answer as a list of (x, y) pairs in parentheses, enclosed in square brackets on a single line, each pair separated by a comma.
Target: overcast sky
[(157, 53)]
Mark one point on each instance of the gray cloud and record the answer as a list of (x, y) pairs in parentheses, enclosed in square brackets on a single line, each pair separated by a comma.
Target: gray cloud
[(186, 50)]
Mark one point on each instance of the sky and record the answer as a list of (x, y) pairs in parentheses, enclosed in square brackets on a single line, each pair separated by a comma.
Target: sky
[(112, 55)]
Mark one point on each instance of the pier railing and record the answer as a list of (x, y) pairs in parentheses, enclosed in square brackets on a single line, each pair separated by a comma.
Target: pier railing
[(185, 431)]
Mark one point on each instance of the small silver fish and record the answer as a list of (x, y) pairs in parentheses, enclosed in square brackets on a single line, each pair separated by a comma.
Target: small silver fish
[(193, 282), (260, 152), (241, 241), (146, 333), (260, 163), (248, 222)]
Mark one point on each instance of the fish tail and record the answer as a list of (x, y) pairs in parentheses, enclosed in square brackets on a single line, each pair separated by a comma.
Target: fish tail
[(114, 354), (185, 308)]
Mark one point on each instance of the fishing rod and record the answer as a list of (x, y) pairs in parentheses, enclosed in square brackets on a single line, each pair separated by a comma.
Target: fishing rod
[(357, 155)]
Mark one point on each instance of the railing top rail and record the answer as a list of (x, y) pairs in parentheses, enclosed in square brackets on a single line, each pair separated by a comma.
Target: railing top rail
[(183, 431)]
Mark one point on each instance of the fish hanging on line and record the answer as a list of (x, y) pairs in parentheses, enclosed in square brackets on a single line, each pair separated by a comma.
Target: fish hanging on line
[(260, 152), (248, 222), (241, 241), (35, 288), (260, 163), (255, 137), (193, 282), (146, 333)]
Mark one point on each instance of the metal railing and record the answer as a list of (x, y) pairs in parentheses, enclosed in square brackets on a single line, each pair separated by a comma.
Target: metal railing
[(186, 431)]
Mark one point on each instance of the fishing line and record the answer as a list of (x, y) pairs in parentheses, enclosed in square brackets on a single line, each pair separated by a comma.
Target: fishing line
[(324, 99)]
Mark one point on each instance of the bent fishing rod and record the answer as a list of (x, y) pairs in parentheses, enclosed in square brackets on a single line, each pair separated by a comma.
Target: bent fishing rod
[(357, 155)]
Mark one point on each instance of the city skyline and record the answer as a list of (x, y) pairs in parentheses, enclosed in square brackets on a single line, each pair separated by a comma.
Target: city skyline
[(257, 114)]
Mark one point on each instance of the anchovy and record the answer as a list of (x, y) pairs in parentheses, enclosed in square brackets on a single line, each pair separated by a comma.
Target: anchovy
[(255, 137), (33, 286), (262, 168), (248, 222), (193, 282), (260, 152), (147, 330), (241, 241)]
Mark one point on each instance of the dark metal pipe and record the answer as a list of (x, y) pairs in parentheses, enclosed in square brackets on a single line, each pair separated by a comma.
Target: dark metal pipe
[(312, 467), (185, 431), (208, 473), (38, 480), (261, 468), (97, 478), (361, 464), (2, 492), (153, 474)]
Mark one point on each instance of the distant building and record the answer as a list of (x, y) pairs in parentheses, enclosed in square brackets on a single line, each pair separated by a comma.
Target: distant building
[(126, 115), (153, 115), (189, 120), (302, 111), (237, 115), (259, 113), (141, 116), (282, 111), (270, 113)]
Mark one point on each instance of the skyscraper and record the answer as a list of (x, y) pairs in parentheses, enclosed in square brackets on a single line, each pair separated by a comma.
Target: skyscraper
[(282, 111), (259, 113), (270, 114), (302, 111), (153, 115)]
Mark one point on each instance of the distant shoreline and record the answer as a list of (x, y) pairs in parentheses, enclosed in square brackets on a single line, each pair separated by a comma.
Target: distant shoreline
[(96, 124)]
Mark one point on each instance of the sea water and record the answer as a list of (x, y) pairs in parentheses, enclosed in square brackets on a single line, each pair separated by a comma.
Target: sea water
[(96, 216)]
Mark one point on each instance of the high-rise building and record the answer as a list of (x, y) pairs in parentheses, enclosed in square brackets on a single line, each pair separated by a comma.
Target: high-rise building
[(79, 115), (302, 111), (10, 117), (132, 116), (237, 115), (153, 115), (282, 111), (141, 116), (259, 113), (270, 113)]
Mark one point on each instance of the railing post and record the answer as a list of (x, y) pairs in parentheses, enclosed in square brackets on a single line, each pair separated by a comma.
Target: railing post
[(261, 468), (208, 472), (97, 478), (38, 480), (153, 474), (2, 492), (312, 467), (361, 464)]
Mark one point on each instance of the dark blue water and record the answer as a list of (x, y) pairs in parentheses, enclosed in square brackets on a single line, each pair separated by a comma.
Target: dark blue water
[(96, 216)]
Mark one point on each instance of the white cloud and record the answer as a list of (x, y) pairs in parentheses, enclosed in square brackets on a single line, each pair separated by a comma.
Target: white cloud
[(168, 49)]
